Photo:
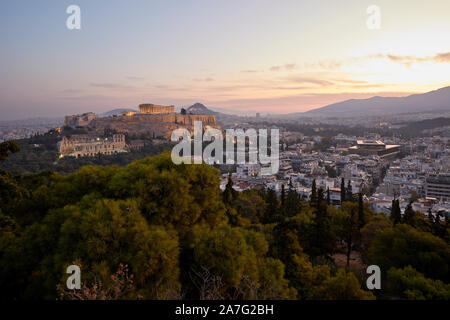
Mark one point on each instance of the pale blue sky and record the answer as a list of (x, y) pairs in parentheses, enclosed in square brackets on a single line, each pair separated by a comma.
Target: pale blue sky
[(265, 55)]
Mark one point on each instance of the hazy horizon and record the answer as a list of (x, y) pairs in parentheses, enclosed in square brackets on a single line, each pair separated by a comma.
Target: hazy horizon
[(257, 56), (234, 110)]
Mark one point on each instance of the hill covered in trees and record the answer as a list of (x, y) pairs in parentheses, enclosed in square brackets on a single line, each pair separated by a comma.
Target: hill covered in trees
[(156, 230), (40, 153)]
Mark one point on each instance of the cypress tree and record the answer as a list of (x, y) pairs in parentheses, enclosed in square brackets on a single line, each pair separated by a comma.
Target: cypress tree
[(271, 213), (319, 204), (313, 192), (292, 203), (430, 216), (361, 218), (396, 215), (342, 191), (283, 196), (328, 196), (228, 197), (323, 240), (349, 191), (441, 228), (350, 234), (408, 217), (229, 193)]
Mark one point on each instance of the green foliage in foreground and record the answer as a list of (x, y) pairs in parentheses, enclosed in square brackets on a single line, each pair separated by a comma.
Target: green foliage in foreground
[(405, 246), (181, 237), (410, 284)]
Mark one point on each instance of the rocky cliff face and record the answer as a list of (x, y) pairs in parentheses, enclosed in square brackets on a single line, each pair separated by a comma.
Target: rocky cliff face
[(79, 120), (158, 125)]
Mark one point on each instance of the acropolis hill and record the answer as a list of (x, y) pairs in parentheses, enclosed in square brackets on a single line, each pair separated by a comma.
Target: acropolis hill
[(157, 120)]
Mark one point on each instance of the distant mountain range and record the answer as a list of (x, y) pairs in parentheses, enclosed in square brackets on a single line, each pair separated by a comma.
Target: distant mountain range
[(433, 101), (429, 102), (437, 100)]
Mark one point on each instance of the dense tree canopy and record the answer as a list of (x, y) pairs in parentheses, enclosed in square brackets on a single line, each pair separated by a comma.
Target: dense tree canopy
[(8, 147), (171, 233), (410, 284), (405, 246)]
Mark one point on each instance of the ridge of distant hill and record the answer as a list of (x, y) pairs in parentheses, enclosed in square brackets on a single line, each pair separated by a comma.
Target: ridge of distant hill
[(199, 108), (437, 100)]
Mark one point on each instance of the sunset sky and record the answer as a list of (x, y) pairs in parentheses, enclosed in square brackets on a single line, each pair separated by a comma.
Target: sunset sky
[(248, 55)]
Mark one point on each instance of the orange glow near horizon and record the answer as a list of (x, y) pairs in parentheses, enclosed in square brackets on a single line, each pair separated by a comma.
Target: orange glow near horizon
[(257, 56)]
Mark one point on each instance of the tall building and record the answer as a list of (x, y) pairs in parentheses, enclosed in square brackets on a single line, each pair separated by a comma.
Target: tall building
[(438, 186)]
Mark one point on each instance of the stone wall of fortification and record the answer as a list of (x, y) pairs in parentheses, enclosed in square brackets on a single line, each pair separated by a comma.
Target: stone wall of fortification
[(158, 125), (189, 119), (79, 120)]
